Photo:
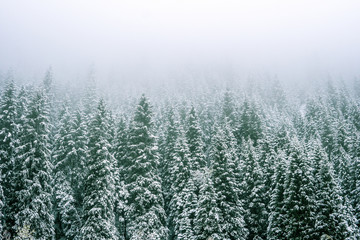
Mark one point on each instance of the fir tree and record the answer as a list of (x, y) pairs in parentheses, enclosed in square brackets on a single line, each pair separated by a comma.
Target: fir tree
[(33, 171), (194, 140), (228, 109), (299, 195), (80, 154), (250, 123), (183, 198), (355, 179), (90, 96), (331, 217), (277, 215), (225, 179), (167, 160), (8, 137), (98, 214), (277, 95), (208, 215), (67, 167), (253, 191), (145, 211), (1, 206), (48, 80), (120, 154), (183, 212)]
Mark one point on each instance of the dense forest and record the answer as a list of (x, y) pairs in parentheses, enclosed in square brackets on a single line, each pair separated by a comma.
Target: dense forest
[(209, 163)]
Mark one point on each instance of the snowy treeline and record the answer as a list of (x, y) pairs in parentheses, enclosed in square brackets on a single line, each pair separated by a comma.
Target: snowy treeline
[(225, 165)]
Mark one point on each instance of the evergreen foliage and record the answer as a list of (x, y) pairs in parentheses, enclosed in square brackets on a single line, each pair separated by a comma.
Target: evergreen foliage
[(33, 171), (330, 218), (67, 165), (225, 180), (120, 154), (194, 140), (8, 137), (183, 201), (145, 213), (265, 163), (253, 191), (299, 192), (99, 186)]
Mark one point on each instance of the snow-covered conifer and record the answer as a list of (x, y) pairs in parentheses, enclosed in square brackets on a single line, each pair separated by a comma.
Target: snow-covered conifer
[(98, 220), (145, 213)]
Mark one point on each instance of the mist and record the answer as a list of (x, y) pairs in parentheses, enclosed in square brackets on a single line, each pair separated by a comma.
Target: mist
[(179, 119), (294, 40)]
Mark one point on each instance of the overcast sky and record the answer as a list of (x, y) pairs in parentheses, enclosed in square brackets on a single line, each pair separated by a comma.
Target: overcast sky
[(272, 35)]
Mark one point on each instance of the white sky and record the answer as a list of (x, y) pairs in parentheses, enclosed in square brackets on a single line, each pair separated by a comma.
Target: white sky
[(275, 35)]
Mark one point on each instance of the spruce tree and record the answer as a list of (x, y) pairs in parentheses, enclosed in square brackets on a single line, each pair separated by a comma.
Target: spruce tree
[(183, 198), (249, 125), (331, 216), (120, 154), (183, 211), (208, 217), (48, 80), (277, 215), (33, 171), (299, 202), (253, 191), (98, 203), (145, 210), (355, 179), (228, 109), (277, 95), (166, 159), (80, 154), (90, 95), (225, 179), (66, 169), (194, 140), (1, 206), (8, 137)]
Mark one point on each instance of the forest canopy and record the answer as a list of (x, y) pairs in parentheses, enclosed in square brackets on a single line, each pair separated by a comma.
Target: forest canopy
[(222, 160)]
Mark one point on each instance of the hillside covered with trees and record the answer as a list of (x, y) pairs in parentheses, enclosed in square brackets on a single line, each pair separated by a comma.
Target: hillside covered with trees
[(213, 162)]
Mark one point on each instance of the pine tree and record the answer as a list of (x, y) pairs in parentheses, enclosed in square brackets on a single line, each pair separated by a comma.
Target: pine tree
[(1, 206), (228, 113), (314, 114), (80, 154), (67, 167), (194, 140), (319, 120), (355, 179), (277, 215), (167, 160), (183, 198), (120, 154), (34, 172), (98, 215), (277, 95), (299, 195), (145, 211), (184, 207), (253, 191), (90, 96), (208, 217), (225, 179), (48, 80), (250, 123), (49, 93), (331, 217), (8, 138)]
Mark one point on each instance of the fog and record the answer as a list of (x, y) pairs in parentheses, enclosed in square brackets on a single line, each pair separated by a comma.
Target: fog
[(294, 40)]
